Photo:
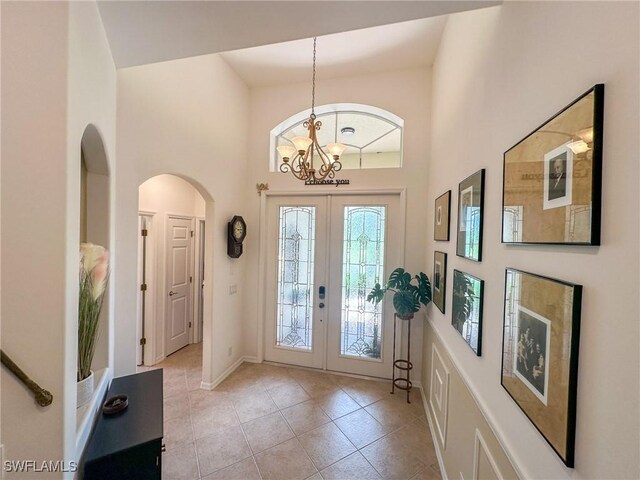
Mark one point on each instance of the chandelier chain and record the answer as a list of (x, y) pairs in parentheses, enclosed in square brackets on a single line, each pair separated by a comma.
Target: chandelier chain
[(313, 82)]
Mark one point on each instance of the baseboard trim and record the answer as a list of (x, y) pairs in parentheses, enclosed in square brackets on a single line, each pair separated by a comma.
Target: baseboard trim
[(434, 439), (228, 371), (223, 375)]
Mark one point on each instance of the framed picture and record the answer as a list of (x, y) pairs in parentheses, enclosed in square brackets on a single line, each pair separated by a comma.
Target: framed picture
[(540, 354), (470, 208), (551, 190), (439, 279), (466, 308), (441, 217)]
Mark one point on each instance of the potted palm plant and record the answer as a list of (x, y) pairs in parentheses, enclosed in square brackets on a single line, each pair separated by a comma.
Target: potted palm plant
[(408, 297), (94, 272)]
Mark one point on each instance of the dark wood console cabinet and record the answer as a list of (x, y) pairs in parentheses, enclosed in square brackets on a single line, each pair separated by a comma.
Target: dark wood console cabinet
[(128, 445)]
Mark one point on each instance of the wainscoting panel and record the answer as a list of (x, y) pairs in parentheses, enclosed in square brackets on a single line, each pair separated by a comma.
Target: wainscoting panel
[(484, 466), (439, 394)]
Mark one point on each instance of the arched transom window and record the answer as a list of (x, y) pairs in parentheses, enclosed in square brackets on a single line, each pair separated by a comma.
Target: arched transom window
[(373, 136)]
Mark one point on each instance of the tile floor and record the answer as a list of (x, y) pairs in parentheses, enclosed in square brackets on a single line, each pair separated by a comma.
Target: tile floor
[(269, 422)]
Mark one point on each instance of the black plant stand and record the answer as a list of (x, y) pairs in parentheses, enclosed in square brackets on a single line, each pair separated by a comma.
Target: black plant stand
[(402, 364)]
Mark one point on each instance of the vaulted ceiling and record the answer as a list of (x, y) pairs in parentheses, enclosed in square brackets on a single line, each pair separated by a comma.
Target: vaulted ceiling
[(142, 32)]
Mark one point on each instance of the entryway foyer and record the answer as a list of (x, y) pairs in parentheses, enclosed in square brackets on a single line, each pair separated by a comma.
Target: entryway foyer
[(273, 422)]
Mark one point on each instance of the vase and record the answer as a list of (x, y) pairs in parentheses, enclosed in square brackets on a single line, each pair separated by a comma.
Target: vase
[(85, 390)]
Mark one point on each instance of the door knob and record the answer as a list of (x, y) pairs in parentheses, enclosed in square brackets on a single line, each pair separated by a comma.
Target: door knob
[(172, 293)]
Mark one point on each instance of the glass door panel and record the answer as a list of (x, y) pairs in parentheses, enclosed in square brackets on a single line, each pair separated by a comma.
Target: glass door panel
[(296, 241), (295, 267), (362, 268), (366, 245)]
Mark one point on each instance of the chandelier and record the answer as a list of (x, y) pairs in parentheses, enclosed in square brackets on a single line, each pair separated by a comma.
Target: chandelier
[(305, 159)]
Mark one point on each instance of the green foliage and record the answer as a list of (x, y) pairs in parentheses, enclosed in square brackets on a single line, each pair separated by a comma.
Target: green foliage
[(407, 296), (463, 297)]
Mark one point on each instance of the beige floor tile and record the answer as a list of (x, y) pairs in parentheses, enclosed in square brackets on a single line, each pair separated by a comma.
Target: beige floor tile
[(315, 476), (194, 378), (175, 406), (221, 450), (202, 400), (319, 387), (417, 438), (240, 386), (210, 421), (266, 432), (367, 392), (177, 432), (353, 467), (244, 470), (336, 404), (174, 383), (285, 461), (361, 428), (392, 459), (432, 472), (253, 405), (326, 445), (391, 413), (304, 417), (180, 464), (288, 395)]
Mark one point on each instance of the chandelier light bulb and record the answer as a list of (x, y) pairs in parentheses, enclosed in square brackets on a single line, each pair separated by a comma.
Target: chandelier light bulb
[(336, 149), (286, 151)]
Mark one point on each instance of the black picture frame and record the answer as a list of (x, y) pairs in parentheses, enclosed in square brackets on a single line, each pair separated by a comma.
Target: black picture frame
[(540, 345), (552, 178), (470, 216), (442, 217), (439, 280), (466, 308)]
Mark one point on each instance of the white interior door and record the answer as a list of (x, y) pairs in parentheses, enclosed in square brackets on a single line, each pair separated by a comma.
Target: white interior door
[(317, 314), (296, 266), (178, 274)]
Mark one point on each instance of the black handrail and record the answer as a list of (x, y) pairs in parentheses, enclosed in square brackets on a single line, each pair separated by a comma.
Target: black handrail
[(43, 397)]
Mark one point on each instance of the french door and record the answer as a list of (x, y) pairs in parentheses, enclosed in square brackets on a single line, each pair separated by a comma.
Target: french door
[(324, 255)]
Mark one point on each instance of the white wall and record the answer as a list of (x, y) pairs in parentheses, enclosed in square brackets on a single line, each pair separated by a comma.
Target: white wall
[(57, 77), (499, 74), (190, 118), (404, 93), (164, 195)]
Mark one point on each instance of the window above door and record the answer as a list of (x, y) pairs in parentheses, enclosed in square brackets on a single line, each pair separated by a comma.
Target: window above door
[(372, 136)]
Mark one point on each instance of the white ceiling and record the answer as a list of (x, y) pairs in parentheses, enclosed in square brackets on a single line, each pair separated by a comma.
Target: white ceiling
[(409, 44), (142, 32)]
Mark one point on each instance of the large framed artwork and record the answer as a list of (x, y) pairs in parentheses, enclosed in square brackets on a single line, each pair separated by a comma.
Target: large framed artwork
[(439, 279), (540, 354), (466, 308), (470, 212), (551, 189), (441, 217)]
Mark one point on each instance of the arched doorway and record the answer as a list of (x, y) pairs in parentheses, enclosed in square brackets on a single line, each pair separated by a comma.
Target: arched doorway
[(171, 271)]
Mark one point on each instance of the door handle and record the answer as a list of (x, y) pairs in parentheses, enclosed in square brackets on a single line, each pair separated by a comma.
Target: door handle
[(172, 293)]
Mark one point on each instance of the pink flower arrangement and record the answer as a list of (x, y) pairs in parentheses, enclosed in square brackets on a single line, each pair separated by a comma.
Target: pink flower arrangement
[(94, 274)]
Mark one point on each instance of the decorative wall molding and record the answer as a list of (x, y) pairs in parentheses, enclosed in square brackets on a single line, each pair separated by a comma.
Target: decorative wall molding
[(436, 445), (497, 432), (480, 448), (439, 393)]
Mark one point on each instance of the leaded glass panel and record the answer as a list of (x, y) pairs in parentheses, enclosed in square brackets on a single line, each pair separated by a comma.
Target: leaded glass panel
[(362, 268), (296, 241)]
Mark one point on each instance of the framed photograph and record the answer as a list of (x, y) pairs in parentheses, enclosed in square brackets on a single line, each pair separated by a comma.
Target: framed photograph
[(552, 179), (441, 217), (470, 208), (439, 279), (466, 308), (540, 354)]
